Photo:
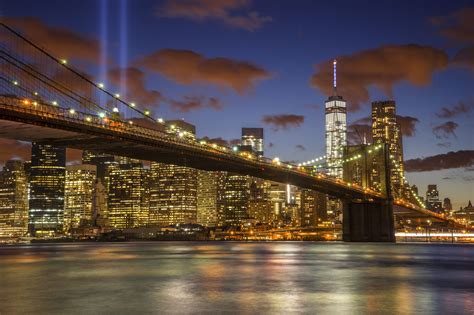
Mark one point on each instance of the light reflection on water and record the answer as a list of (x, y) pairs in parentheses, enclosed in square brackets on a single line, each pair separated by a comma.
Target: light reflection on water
[(233, 277)]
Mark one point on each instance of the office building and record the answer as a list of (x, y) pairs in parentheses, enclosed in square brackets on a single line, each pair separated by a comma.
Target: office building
[(432, 199), (79, 195), (46, 203), (253, 138), (236, 200), (13, 200), (386, 129), (336, 129), (128, 195), (312, 208), (210, 197)]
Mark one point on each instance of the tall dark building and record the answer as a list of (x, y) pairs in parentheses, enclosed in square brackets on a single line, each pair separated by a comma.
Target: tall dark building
[(386, 129), (47, 179), (253, 138), (432, 199), (100, 160)]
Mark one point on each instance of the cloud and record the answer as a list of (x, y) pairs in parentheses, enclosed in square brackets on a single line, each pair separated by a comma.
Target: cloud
[(445, 130), (73, 156), (457, 26), (464, 57), (300, 147), (60, 42), (463, 158), (381, 67), (446, 144), (190, 103), (284, 121), (188, 67), (408, 125), (218, 10), (136, 89), (357, 131), (14, 149), (456, 109)]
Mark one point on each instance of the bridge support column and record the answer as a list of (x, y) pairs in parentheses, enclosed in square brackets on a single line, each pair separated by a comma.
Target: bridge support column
[(368, 221)]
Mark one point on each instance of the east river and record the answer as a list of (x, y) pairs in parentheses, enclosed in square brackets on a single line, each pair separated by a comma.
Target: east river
[(236, 277)]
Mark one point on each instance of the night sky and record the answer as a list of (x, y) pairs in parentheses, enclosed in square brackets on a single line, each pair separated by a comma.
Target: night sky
[(227, 64)]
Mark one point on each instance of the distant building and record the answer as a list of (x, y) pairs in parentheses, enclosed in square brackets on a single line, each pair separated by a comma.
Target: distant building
[(79, 195), (173, 188), (466, 214), (210, 197), (128, 197), (47, 176), (253, 138), (432, 199), (13, 200), (447, 206), (386, 129), (312, 208), (100, 160), (236, 200), (260, 204)]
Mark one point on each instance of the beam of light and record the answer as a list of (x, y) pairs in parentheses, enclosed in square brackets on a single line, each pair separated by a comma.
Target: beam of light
[(103, 44), (334, 69), (123, 46)]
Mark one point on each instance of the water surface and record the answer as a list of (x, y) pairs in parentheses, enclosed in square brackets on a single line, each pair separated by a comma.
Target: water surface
[(235, 277)]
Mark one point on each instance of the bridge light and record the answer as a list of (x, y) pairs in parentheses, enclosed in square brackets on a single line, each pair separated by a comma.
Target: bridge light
[(130, 122), (147, 112), (101, 115), (100, 85), (160, 120), (117, 95), (181, 134), (202, 142), (72, 111), (26, 102), (172, 126), (63, 61), (132, 104), (88, 118), (35, 103), (115, 110), (234, 148), (35, 93), (214, 145), (15, 82), (54, 103)]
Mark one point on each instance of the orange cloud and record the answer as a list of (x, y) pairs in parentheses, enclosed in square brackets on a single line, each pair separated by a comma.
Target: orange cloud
[(195, 102), (13, 149), (60, 42), (136, 89), (284, 121), (188, 67), (218, 10), (457, 26), (381, 67)]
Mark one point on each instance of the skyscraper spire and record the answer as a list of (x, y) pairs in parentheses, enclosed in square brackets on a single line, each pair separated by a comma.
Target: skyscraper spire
[(334, 63)]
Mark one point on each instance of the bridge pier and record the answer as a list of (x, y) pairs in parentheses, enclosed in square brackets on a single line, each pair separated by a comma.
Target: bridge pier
[(365, 221)]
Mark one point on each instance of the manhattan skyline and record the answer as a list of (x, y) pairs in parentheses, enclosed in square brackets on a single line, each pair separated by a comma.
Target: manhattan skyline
[(274, 70)]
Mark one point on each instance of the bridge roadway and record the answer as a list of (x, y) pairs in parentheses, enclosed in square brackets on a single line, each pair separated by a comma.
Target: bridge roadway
[(28, 120)]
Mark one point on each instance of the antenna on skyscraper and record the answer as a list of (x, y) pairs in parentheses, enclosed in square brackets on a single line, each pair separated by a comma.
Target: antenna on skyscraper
[(334, 63)]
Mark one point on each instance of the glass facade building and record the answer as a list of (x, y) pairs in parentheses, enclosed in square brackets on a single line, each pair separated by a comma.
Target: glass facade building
[(253, 137), (47, 177)]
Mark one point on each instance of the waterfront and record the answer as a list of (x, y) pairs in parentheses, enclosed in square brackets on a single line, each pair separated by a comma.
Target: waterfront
[(236, 277)]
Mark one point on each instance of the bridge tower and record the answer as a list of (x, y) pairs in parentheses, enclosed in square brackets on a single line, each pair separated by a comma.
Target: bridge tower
[(368, 220)]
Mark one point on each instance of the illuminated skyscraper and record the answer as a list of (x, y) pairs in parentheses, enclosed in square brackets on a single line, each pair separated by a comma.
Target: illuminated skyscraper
[(386, 129), (312, 207), (46, 203), (79, 195), (173, 188), (128, 198), (336, 128), (236, 200), (210, 197), (13, 200), (253, 137)]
